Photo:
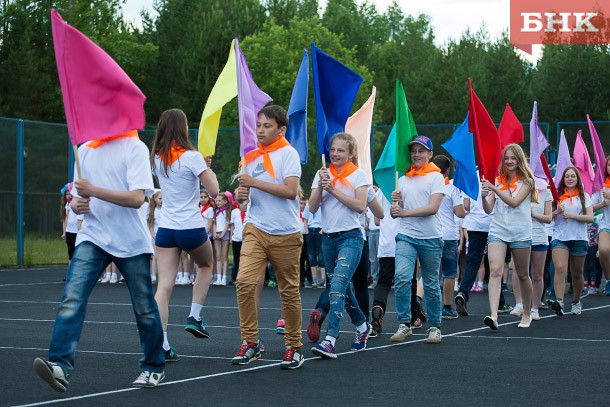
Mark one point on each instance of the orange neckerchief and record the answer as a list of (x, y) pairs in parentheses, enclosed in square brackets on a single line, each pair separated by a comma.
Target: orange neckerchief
[(447, 182), (569, 195), (607, 183), (174, 153), (505, 185), (349, 168), (264, 151), (99, 142), (430, 167)]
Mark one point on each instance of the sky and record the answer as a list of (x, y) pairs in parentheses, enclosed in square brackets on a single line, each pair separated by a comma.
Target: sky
[(450, 18)]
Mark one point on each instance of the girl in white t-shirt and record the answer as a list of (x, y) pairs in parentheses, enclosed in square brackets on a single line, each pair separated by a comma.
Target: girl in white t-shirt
[(541, 216), (154, 214), (222, 220), (207, 207), (570, 240), (601, 200), (341, 194), (179, 168), (71, 222), (511, 228)]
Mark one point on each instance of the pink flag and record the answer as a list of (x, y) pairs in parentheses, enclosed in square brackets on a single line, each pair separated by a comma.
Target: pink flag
[(582, 161), (538, 143), (563, 158), (359, 126), (600, 158), (99, 98), (250, 100)]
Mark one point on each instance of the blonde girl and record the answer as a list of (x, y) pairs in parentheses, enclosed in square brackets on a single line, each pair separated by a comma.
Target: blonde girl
[(222, 220)]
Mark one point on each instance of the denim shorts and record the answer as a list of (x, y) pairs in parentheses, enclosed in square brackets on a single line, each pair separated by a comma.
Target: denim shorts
[(449, 260), (576, 247), (187, 239), (540, 247), (521, 244)]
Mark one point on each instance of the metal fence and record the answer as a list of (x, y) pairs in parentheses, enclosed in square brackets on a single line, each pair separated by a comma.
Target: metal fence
[(36, 161)]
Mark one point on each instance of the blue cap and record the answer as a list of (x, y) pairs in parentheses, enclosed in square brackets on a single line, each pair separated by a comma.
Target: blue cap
[(423, 140)]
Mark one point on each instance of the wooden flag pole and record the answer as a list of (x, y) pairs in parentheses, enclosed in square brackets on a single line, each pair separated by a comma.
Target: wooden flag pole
[(77, 161), (323, 160)]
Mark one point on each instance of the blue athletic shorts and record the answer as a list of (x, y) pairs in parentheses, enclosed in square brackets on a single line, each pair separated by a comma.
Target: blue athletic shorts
[(187, 239)]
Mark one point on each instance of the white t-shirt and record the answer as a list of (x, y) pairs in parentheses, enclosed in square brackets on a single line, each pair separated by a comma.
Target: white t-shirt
[(180, 189), (452, 198), (314, 220), (477, 220), (417, 192), (539, 234), (73, 218), (336, 217), (371, 218), (221, 221), (570, 229), (388, 229), (598, 197), (238, 225), (512, 224), (158, 215), (267, 212), (120, 165)]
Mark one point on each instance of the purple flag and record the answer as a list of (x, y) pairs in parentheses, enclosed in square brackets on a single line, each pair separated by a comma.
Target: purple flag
[(538, 143), (582, 161), (250, 100), (600, 158), (563, 158)]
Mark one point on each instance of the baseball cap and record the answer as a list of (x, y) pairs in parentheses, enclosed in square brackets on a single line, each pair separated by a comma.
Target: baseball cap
[(423, 140)]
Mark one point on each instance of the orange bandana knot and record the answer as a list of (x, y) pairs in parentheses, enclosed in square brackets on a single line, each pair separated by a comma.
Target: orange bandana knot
[(349, 168), (607, 183), (102, 141), (173, 154), (567, 195), (428, 168), (267, 164), (512, 187), (447, 182)]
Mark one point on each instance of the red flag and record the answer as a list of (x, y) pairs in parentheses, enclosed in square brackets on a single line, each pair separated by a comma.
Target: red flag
[(486, 138), (510, 130), (99, 98)]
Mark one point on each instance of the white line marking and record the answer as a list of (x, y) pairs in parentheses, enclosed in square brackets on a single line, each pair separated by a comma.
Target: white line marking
[(533, 338), (21, 284), (191, 379)]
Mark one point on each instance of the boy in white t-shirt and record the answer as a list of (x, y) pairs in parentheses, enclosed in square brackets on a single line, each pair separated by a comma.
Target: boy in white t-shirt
[(272, 232), (115, 178), (419, 196)]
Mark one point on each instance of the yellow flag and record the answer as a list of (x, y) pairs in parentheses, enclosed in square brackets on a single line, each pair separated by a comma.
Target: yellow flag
[(224, 90)]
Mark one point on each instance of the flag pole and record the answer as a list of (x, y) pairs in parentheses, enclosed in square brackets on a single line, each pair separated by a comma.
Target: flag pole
[(323, 160), (77, 161)]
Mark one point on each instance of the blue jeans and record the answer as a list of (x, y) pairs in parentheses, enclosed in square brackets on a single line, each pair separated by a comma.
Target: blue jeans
[(344, 252), (88, 262), (314, 248), (429, 252), (476, 250)]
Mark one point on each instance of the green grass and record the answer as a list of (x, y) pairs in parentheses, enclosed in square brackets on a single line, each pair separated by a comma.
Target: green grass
[(37, 251)]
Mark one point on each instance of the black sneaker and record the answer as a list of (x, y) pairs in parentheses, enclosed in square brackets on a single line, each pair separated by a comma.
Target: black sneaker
[(248, 352), (557, 306), (171, 355), (505, 309), (460, 304), (293, 358), (52, 373), (197, 328), (377, 321)]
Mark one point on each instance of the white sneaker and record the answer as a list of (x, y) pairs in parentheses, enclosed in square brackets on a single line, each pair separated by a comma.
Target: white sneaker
[(535, 315), (517, 312), (51, 373), (433, 335), (576, 308), (402, 333), (114, 279), (106, 278), (148, 379), (223, 281)]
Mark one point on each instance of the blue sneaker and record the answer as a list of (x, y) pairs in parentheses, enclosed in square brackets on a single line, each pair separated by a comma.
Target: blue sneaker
[(171, 355), (197, 328), (607, 289), (449, 313), (361, 338), (261, 344), (325, 349)]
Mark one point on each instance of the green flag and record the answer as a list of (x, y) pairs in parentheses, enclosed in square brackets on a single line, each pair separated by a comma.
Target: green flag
[(384, 171), (405, 130)]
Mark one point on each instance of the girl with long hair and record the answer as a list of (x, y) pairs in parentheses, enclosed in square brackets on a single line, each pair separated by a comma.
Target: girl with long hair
[(179, 168), (222, 234)]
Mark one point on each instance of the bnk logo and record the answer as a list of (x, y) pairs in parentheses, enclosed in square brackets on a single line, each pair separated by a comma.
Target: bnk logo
[(559, 22)]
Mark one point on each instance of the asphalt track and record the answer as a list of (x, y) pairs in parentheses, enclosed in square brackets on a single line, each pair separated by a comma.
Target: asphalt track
[(557, 361)]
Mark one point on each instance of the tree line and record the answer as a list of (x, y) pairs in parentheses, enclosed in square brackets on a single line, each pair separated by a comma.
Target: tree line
[(176, 56)]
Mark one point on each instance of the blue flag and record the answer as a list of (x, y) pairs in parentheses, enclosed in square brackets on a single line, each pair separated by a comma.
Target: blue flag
[(296, 134), (461, 147), (385, 172), (335, 88)]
